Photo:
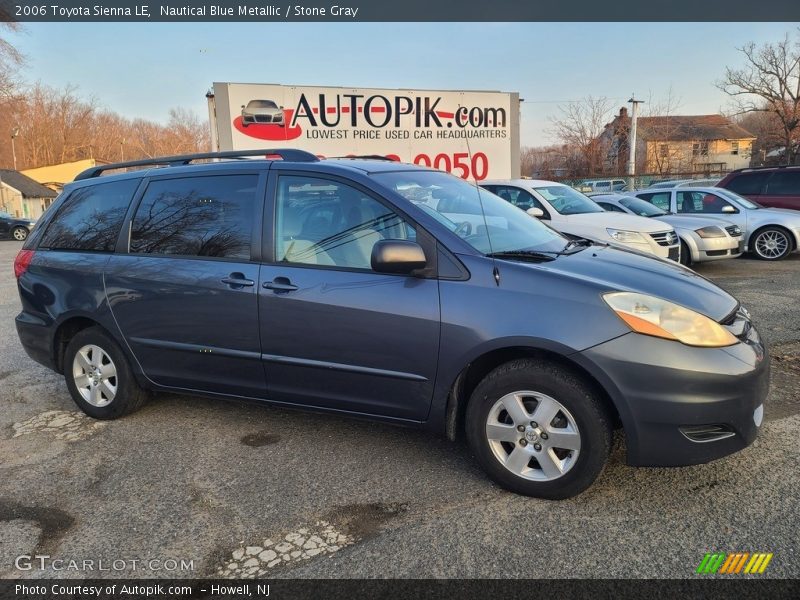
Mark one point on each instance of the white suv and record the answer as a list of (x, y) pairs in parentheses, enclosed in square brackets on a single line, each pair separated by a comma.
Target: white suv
[(570, 212)]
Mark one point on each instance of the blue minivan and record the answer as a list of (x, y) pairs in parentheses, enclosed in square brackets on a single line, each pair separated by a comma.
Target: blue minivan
[(386, 291)]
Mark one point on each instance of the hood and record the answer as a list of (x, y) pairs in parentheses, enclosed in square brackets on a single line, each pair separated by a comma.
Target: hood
[(616, 269), (687, 222), (617, 221)]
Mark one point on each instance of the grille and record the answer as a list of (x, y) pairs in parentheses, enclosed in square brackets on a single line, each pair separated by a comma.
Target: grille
[(733, 230), (665, 238), (263, 118)]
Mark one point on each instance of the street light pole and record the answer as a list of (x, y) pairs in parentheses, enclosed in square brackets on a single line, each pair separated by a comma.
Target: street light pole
[(14, 134), (632, 142)]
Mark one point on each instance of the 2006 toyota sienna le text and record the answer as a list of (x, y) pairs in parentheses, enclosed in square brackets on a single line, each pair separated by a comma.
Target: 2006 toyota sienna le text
[(340, 285)]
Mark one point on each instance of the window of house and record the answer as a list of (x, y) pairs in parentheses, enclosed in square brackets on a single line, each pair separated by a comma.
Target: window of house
[(735, 147), (327, 223), (663, 150), (700, 149), (90, 219), (197, 216)]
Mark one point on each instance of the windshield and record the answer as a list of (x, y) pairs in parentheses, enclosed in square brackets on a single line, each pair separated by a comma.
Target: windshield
[(567, 201), (261, 104), (642, 208), (737, 198), (457, 205)]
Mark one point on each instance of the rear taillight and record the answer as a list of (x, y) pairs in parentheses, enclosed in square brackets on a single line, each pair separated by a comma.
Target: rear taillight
[(22, 262)]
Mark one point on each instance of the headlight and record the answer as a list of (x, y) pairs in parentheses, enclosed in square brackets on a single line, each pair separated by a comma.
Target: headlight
[(712, 231), (657, 317), (631, 237)]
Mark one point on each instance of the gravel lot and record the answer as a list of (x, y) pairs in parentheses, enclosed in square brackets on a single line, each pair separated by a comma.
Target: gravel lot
[(238, 488)]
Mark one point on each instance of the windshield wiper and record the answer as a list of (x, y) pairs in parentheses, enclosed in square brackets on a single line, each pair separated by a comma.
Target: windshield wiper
[(525, 255), (578, 245)]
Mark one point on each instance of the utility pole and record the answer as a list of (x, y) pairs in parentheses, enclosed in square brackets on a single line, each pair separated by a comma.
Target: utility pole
[(14, 134), (632, 142)]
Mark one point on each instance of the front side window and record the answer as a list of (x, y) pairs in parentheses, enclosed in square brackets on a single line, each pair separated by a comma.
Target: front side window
[(328, 223), (196, 216), (642, 208), (784, 183), (485, 221), (701, 202), (518, 197), (566, 200), (90, 219)]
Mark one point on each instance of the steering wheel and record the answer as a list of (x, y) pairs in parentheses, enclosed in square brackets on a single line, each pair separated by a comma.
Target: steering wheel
[(464, 229)]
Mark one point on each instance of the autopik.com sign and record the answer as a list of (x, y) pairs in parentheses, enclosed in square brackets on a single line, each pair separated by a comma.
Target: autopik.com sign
[(474, 135)]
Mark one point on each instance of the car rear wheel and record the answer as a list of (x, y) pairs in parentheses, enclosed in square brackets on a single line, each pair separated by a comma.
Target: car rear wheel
[(98, 376), (771, 243), (537, 429), (20, 234)]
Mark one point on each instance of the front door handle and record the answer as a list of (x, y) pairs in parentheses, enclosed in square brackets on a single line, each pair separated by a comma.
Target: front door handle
[(237, 280), (280, 284)]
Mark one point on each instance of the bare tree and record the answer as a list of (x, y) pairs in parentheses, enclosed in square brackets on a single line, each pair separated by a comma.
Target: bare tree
[(580, 126), (10, 60), (770, 83)]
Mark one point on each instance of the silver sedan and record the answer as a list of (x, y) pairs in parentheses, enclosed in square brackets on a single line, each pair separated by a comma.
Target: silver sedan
[(702, 238)]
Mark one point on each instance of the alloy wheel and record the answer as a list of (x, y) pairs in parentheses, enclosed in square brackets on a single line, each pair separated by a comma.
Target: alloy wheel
[(772, 244), (533, 435), (95, 375)]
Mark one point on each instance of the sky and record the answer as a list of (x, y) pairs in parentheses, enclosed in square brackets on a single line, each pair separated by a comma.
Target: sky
[(144, 69)]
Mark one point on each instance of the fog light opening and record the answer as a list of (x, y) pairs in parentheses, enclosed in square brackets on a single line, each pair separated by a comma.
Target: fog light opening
[(707, 433)]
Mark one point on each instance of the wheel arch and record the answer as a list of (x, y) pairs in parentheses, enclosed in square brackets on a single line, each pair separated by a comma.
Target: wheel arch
[(67, 330), (469, 377)]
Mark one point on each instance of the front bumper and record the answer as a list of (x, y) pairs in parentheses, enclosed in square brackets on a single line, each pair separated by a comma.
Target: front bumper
[(661, 387), (717, 248)]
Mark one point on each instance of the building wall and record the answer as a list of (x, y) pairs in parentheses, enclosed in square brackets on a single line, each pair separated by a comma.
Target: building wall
[(55, 176), (11, 201), (699, 156)]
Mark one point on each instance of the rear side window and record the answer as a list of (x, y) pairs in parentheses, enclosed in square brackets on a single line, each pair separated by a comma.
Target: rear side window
[(197, 216), (90, 218), (748, 184), (784, 183), (660, 199)]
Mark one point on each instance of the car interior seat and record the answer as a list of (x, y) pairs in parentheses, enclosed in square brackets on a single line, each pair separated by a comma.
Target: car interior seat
[(294, 246)]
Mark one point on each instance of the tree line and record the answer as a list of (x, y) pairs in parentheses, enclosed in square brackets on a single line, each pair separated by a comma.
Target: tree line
[(54, 125)]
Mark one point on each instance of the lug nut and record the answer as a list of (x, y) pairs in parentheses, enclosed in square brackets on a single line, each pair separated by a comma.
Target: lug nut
[(533, 424), (521, 428), (543, 436), (537, 447), (523, 442)]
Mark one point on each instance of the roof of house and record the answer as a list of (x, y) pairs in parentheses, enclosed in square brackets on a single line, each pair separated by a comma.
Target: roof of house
[(58, 175), (686, 128), (29, 188)]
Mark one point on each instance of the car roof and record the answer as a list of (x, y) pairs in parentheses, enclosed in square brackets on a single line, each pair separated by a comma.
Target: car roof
[(522, 182)]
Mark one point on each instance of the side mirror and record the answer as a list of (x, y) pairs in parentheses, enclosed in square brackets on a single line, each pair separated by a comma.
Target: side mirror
[(242, 105), (728, 209), (535, 212), (397, 256)]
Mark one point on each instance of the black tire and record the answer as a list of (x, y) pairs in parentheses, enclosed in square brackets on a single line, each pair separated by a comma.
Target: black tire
[(19, 233), (759, 240), (128, 396), (545, 377), (686, 255)]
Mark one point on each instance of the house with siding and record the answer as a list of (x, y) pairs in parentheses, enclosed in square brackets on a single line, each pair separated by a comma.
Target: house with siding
[(678, 144), (22, 196)]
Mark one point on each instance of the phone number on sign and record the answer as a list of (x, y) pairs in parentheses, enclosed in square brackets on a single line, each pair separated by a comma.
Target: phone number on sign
[(462, 164)]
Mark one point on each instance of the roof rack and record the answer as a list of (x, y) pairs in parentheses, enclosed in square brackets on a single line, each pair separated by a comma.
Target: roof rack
[(289, 154), (764, 167)]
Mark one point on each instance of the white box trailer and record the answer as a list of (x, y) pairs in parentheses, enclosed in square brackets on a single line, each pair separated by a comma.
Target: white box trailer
[(472, 134)]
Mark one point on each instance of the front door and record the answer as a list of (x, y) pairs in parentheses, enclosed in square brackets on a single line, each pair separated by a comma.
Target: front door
[(185, 295), (334, 333)]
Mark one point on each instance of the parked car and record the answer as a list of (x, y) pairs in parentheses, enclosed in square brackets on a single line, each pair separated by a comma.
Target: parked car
[(15, 227), (262, 111), (769, 233), (702, 238), (346, 286), (576, 215), (773, 187), (673, 183), (601, 185)]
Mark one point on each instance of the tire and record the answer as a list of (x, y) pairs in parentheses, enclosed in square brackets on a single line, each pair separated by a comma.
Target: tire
[(19, 233), (538, 384), (771, 243), (686, 255), (100, 394)]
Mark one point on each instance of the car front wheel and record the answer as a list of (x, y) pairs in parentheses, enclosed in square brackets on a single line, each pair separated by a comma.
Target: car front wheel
[(98, 376), (20, 234), (771, 243), (538, 430)]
